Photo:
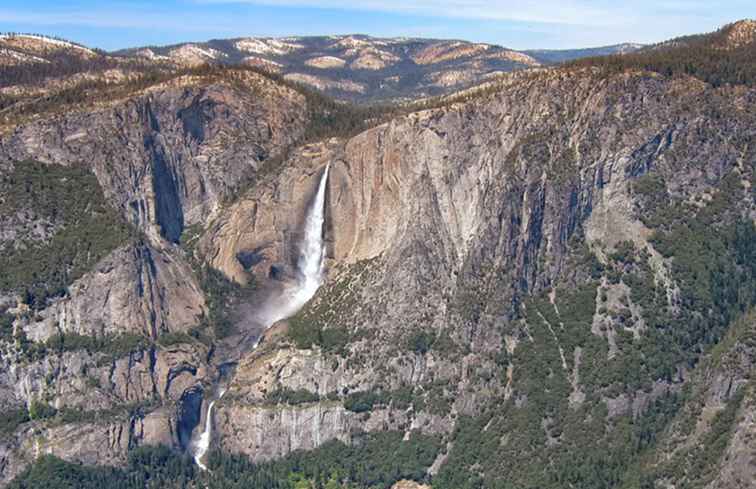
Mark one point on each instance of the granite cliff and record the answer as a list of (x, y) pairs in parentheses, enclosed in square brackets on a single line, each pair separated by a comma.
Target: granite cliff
[(544, 281)]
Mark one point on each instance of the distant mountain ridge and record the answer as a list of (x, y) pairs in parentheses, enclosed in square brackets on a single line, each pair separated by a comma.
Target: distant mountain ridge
[(355, 67), (552, 56), (351, 67)]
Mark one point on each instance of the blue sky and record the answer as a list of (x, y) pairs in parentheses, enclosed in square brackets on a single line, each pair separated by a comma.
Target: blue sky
[(518, 24)]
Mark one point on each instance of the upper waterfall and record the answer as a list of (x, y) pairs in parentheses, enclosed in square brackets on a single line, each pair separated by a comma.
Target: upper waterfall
[(312, 253), (309, 270), (308, 277)]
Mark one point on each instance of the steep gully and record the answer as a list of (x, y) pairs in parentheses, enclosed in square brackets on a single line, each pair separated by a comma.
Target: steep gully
[(309, 276)]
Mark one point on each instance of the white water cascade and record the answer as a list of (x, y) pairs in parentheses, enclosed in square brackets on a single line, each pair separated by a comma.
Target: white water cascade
[(309, 276), (309, 273), (203, 444)]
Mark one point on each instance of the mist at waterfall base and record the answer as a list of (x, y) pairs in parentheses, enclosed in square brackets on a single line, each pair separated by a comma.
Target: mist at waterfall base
[(292, 297), (309, 273)]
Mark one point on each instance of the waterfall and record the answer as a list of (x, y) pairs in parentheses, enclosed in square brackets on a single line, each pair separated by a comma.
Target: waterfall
[(203, 444), (309, 273), (310, 263), (309, 276)]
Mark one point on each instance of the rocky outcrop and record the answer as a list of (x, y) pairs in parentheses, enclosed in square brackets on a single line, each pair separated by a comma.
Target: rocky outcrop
[(466, 211), (167, 157), (266, 433), (455, 236), (138, 289), (103, 441), (106, 405)]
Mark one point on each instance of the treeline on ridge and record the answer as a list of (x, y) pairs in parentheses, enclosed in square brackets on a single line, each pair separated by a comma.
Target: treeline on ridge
[(706, 57)]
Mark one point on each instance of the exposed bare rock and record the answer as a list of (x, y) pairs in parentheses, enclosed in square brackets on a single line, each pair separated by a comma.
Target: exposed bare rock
[(373, 59), (11, 57), (191, 54), (452, 78), (263, 63), (515, 56), (357, 65), (480, 196), (409, 485), (43, 45), (168, 157), (266, 433), (137, 289), (448, 50), (325, 62), (97, 441), (323, 83), (740, 33), (267, 46), (721, 411)]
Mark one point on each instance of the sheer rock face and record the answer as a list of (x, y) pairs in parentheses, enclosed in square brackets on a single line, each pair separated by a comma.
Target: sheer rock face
[(95, 441), (441, 221), (462, 212), (165, 157), (137, 289), (99, 389), (168, 156)]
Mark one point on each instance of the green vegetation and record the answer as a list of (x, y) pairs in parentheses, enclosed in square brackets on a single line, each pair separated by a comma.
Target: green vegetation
[(127, 411), (373, 461), (41, 410), (401, 398), (550, 443), (376, 461), (110, 346), (220, 293), (11, 419), (697, 464), (326, 116), (701, 56), (6, 326), (292, 397), (84, 228), (175, 338), (324, 321), (421, 341), (148, 468), (360, 402)]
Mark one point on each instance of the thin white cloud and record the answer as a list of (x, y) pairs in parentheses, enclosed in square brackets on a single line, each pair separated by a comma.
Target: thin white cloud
[(125, 19), (543, 11)]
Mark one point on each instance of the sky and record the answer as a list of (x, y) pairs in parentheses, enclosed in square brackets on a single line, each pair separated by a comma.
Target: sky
[(517, 24)]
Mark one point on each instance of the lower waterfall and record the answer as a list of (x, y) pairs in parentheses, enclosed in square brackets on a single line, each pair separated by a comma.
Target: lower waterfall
[(309, 276), (203, 444)]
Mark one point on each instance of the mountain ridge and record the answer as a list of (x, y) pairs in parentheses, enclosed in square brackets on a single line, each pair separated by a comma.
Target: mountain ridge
[(352, 67)]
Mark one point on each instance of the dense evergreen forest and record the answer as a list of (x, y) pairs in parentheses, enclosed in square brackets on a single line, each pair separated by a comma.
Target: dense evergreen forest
[(377, 461), (67, 203), (707, 57)]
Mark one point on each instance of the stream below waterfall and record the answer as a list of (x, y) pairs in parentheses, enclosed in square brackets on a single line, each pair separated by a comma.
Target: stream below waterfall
[(286, 302)]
